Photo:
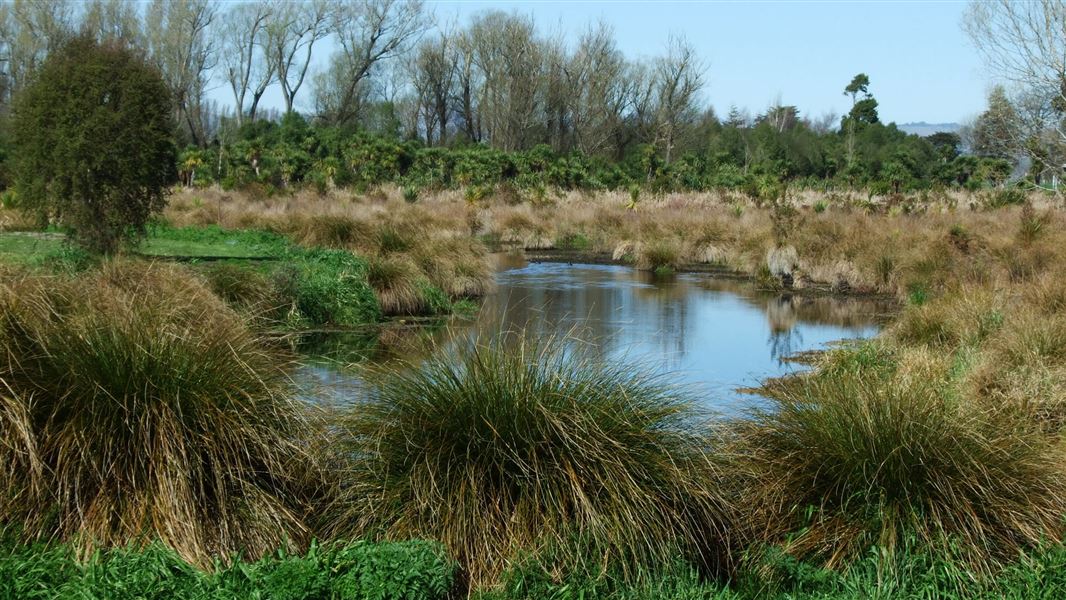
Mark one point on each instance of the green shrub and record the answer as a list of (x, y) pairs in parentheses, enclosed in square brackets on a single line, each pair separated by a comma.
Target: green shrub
[(9, 199), (328, 287), (507, 446), (100, 168), (410, 194), (1005, 197)]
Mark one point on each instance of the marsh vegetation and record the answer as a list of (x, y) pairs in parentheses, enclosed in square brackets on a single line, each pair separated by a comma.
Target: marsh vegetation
[(156, 438)]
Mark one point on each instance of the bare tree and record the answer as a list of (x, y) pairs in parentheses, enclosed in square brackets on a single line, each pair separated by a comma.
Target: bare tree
[(1024, 43), (245, 61), (368, 33), (114, 20), (559, 96), (828, 121), (433, 73), (602, 93), (29, 30), (509, 60), (180, 41), (678, 79), (468, 82), (292, 31)]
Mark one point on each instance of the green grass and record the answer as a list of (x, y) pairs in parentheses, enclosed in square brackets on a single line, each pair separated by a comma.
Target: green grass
[(294, 286), (513, 444), (162, 241), (411, 570), (1039, 574), (213, 241), (327, 287), (419, 570), (24, 247)]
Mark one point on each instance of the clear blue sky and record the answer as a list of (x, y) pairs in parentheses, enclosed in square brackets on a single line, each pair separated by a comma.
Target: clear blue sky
[(920, 63)]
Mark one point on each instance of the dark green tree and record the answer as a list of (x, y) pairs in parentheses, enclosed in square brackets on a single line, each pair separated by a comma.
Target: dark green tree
[(948, 145), (996, 131), (93, 141), (859, 86)]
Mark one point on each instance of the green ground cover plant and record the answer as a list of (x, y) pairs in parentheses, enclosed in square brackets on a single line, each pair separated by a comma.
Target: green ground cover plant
[(412, 570)]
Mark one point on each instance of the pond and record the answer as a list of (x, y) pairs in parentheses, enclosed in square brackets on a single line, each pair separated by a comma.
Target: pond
[(711, 334)]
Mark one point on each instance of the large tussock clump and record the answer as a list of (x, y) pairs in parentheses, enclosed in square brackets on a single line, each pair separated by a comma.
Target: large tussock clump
[(135, 406), (516, 447)]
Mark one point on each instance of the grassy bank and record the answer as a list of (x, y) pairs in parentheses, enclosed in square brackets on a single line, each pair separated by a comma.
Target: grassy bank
[(421, 570), (902, 245), (283, 284), (916, 463)]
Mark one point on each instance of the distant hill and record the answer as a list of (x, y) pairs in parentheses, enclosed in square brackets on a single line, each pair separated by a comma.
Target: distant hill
[(923, 129)]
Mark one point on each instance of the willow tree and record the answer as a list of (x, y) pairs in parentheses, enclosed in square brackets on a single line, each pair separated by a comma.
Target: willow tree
[(93, 143)]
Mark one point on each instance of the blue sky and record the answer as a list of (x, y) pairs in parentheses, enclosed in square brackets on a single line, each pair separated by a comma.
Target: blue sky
[(921, 65)]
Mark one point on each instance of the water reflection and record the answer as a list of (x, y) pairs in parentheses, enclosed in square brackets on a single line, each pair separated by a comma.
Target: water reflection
[(715, 335)]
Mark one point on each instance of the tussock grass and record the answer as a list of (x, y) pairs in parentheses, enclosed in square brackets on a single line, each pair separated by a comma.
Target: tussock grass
[(458, 266), (398, 284), (516, 446), (855, 247), (137, 405), (435, 238), (248, 290), (960, 317), (332, 231), (881, 450), (661, 254)]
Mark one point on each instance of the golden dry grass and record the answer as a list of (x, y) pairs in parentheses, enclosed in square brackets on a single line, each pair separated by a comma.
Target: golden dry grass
[(137, 406), (406, 244), (924, 241)]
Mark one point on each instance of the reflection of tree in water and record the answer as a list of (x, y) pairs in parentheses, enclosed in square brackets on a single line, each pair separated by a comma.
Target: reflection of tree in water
[(669, 298), (607, 310), (784, 336), (846, 311)]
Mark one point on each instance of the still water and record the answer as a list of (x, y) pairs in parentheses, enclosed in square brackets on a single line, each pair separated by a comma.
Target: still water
[(711, 335)]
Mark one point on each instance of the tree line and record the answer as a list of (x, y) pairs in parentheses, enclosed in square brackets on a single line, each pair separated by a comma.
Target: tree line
[(404, 98)]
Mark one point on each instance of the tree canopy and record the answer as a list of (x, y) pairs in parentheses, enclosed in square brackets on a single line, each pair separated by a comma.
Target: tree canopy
[(93, 142)]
